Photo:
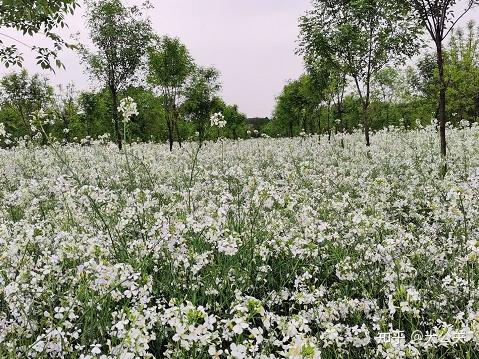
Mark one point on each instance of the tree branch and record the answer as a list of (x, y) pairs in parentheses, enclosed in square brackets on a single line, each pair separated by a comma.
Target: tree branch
[(16, 40), (470, 6)]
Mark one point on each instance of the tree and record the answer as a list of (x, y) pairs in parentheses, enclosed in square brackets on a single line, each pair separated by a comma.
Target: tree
[(95, 118), (426, 78), (34, 17), (24, 95), (149, 124), (291, 107), (66, 109), (359, 37), (236, 122), (122, 37), (437, 17), (170, 65), (462, 73), (201, 99), (385, 81)]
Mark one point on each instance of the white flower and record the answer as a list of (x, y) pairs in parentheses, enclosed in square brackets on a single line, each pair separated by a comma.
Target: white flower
[(464, 123), (128, 108), (213, 352), (218, 120), (3, 132), (96, 349), (238, 351)]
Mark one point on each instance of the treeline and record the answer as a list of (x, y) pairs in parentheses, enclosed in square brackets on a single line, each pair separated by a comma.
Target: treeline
[(326, 102), (354, 54), (175, 97), (76, 115)]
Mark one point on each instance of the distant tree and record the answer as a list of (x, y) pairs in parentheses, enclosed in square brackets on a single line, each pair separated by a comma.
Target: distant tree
[(24, 95), (201, 98), (462, 73), (34, 17), (437, 17), (338, 87), (65, 108), (122, 37), (291, 107), (316, 87), (170, 65), (94, 113), (359, 37), (150, 122), (236, 122), (385, 83), (426, 77)]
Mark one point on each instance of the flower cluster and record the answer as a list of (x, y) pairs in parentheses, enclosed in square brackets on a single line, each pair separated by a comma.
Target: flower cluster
[(218, 120), (128, 108), (3, 132)]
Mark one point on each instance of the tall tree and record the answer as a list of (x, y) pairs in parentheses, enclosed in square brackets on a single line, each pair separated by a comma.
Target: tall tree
[(292, 106), (437, 17), (170, 65), (201, 99), (385, 82), (34, 17), (122, 37), (360, 37), (24, 95), (462, 73), (236, 122), (315, 86), (66, 109)]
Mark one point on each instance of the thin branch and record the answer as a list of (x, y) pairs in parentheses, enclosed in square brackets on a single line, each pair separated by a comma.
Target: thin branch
[(432, 9), (471, 5), (16, 40)]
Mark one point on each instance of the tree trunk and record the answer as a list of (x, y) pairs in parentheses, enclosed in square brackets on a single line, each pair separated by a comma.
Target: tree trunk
[(116, 120), (476, 112), (329, 121), (170, 132), (365, 103), (174, 122), (387, 114), (366, 122), (319, 124), (178, 135), (442, 105), (340, 115)]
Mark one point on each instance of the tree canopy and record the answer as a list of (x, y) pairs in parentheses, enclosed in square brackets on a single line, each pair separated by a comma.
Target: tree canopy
[(31, 17)]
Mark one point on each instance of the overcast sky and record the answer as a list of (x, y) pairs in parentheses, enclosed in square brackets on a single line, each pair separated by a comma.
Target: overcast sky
[(251, 42)]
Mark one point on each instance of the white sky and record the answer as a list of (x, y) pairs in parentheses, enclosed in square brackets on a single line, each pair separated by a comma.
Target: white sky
[(251, 42)]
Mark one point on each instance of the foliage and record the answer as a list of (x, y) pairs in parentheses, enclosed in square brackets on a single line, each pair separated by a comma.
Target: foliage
[(358, 38), (201, 98), (35, 17), (121, 36), (462, 74), (21, 96), (438, 18), (170, 66)]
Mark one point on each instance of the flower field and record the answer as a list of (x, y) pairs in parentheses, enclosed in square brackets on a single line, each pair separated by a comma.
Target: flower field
[(265, 248)]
